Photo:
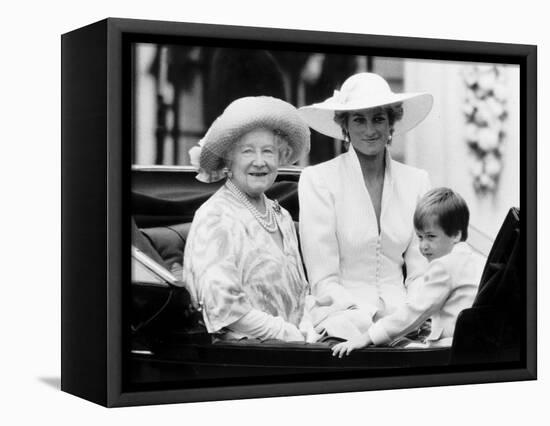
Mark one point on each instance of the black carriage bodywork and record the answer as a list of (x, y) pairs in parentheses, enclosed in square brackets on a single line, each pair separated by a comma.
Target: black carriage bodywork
[(169, 345)]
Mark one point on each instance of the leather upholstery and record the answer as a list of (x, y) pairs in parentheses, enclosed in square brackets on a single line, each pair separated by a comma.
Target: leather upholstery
[(169, 243)]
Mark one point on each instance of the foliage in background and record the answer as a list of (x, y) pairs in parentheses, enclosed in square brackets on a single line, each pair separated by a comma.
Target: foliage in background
[(485, 112)]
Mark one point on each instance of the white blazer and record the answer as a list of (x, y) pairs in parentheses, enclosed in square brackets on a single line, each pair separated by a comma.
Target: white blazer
[(449, 286), (344, 255)]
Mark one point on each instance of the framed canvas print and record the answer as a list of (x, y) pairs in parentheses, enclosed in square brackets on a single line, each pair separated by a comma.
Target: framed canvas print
[(254, 212)]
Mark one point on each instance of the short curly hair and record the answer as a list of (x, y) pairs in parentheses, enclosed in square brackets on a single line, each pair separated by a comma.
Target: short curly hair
[(394, 112)]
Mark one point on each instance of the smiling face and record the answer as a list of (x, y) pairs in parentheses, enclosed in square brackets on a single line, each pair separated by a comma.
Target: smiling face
[(369, 131), (433, 241), (254, 161)]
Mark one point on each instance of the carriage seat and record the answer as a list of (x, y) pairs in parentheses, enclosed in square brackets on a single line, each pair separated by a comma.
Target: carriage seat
[(165, 244)]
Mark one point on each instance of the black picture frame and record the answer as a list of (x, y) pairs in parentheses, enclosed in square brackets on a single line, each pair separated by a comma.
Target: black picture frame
[(95, 182)]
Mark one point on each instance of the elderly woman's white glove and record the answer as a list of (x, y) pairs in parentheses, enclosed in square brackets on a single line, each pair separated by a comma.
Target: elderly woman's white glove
[(306, 325), (308, 331), (260, 325)]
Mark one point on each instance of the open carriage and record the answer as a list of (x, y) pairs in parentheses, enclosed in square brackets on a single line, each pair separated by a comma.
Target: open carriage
[(168, 344)]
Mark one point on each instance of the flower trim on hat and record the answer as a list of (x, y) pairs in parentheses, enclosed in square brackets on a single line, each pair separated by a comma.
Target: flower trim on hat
[(203, 175), (210, 177), (195, 154)]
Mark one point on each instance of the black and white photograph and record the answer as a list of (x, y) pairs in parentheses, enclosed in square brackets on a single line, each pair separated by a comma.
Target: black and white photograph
[(337, 210), (283, 213)]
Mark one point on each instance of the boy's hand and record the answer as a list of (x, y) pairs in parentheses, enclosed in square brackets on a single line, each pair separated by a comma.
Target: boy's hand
[(345, 348)]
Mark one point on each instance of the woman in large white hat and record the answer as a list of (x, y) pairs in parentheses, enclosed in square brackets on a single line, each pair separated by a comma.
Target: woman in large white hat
[(356, 211), (242, 265)]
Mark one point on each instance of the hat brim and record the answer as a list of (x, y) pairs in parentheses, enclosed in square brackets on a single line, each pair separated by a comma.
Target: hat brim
[(320, 117), (246, 114)]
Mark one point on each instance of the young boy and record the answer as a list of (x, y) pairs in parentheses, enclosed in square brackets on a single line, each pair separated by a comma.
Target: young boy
[(449, 284)]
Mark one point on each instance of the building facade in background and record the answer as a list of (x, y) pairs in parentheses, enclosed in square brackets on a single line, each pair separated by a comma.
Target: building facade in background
[(469, 142)]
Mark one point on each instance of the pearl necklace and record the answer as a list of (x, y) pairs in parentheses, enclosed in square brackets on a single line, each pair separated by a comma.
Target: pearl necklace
[(266, 220)]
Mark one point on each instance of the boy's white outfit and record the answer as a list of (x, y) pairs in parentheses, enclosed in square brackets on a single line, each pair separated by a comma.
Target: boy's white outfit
[(449, 286)]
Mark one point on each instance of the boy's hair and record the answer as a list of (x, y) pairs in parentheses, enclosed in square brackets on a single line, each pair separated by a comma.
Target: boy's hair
[(450, 211)]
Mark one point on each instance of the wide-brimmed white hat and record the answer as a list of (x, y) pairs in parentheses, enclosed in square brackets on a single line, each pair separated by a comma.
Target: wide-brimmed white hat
[(363, 91), (242, 116)]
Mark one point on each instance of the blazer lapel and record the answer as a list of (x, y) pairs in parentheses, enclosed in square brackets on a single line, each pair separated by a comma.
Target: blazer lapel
[(387, 190)]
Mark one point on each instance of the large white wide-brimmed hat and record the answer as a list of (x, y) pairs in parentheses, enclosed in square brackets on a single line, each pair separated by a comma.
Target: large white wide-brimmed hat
[(363, 91), (242, 116)]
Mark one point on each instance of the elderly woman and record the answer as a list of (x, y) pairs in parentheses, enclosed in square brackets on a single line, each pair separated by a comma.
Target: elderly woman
[(356, 211), (241, 263)]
